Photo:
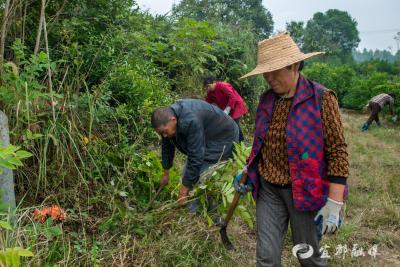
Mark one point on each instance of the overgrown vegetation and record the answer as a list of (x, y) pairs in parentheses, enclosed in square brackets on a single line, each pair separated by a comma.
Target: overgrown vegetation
[(78, 82), (356, 84)]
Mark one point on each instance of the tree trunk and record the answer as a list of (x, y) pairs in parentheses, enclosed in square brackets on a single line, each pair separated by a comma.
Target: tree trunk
[(24, 22), (4, 30), (39, 32), (6, 175)]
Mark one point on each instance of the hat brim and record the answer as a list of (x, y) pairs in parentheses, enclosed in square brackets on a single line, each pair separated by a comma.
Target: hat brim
[(272, 66)]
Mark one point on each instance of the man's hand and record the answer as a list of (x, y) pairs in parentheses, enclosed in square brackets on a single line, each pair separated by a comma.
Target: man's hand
[(183, 195), (329, 217), (165, 178)]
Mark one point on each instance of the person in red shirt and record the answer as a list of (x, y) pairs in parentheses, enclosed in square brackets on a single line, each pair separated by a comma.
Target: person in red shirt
[(223, 95)]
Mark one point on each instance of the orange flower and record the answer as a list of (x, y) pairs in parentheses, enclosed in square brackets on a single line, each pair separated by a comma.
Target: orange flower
[(39, 215), (54, 212)]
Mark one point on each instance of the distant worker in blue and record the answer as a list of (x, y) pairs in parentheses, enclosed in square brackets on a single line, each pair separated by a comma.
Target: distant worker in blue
[(376, 104)]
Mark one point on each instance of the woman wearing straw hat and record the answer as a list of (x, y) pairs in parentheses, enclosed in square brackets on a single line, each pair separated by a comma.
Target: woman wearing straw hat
[(298, 165)]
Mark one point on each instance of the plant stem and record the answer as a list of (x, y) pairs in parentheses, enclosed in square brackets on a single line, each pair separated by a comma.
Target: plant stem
[(27, 102)]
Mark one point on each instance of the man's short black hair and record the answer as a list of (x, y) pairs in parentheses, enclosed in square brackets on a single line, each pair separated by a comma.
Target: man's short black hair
[(208, 80), (392, 94), (161, 116)]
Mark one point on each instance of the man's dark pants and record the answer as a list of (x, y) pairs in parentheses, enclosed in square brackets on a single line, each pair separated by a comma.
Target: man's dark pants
[(375, 109), (275, 209)]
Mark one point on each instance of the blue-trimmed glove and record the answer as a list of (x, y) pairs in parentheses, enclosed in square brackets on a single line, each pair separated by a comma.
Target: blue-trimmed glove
[(329, 217), (242, 189)]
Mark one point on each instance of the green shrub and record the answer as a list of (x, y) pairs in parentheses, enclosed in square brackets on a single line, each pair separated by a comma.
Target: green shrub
[(363, 89), (354, 85), (337, 78)]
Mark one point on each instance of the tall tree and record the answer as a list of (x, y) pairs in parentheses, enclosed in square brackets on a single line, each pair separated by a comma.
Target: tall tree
[(3, 32), (397, 39), (296, 30), (234, 12), (334, 32)]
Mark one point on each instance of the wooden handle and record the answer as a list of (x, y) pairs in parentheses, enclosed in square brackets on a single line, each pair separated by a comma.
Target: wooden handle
[(235, 200)]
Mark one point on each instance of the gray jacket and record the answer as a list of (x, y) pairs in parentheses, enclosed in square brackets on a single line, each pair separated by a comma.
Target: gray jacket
[(204, 133)]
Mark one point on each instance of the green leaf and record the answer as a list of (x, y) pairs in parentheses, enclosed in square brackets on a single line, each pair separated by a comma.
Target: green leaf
[(21, 154), (140, 231), (209, 220), (36, 136), (25, 252), (9, 149), (5, 225), (54, 231), (15, 161), (7, 165), (14, 257)]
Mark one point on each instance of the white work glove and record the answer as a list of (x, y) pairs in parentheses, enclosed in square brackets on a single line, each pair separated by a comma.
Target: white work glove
[(329, 217), (394, 118), (227, 110)]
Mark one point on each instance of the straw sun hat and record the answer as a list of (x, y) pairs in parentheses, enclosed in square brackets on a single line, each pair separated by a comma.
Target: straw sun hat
[(276, 53)]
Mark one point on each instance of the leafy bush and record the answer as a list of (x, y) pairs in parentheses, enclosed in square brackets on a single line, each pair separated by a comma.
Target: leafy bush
[(218, 184), (337, 78), (364, 89), (10, 250), (140, 86), (354, 85), (22, 89)]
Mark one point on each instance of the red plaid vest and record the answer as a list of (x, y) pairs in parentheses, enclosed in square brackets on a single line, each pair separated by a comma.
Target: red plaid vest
[(305, 144)]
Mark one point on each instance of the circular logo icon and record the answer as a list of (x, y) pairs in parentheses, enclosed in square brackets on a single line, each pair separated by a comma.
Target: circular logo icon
[(302, 251)]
